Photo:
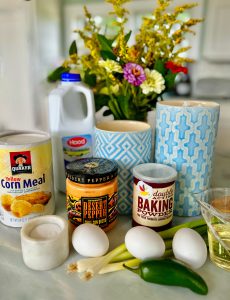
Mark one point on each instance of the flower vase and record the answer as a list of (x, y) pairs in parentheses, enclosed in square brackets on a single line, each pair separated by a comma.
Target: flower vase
[(129, 143)]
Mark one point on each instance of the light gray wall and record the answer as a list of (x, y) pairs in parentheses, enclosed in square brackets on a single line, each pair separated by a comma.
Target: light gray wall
[(30, 44)]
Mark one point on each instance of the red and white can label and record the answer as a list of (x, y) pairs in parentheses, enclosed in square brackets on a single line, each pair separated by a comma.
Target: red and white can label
[(153, 203)]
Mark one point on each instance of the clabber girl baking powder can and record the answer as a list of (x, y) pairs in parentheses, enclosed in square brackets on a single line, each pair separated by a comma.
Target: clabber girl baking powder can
[(26, 176), (153, 195)]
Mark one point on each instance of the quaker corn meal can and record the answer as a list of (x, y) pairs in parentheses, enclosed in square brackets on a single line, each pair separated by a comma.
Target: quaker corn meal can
[(153, 195), (26, 181)]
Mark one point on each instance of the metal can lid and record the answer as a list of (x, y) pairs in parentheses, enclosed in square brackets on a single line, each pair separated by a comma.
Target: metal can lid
[(155, 173), (23, 138), (91, 170)]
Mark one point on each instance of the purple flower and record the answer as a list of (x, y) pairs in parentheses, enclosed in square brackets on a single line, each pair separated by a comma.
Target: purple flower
[(134, 74)]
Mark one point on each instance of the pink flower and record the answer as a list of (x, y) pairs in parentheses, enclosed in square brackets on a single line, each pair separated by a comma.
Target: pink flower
[(134, 74)]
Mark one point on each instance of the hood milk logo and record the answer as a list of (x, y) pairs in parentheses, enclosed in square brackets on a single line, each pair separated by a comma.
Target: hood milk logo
[(77, 141), (20, 162)]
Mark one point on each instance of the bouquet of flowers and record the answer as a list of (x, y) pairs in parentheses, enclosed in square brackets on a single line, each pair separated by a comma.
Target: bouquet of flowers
[(130, 79)]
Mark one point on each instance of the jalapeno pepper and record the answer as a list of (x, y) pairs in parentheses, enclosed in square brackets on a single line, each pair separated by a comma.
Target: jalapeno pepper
[(170, 272)]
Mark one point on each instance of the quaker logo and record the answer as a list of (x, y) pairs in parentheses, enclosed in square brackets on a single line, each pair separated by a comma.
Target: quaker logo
[(20, 162), (77, 141)]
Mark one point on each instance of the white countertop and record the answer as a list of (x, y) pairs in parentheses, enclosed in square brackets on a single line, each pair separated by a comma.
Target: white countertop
[(17, 282)]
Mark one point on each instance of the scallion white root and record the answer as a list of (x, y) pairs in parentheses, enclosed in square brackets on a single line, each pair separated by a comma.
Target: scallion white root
[(72, 268), (91, 266), (83, 264)]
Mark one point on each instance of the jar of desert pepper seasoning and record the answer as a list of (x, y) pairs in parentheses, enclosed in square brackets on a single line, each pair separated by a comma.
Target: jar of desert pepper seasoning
[(91, 191), (153, 195)]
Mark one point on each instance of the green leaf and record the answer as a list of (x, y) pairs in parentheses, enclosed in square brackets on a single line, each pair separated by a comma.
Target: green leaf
[(56, 74), (106, 45), (170, 80), (160, 66), (153, 102), (90, 79), (132, 111), (127, 36), (139, 115), (73, 48), (125, 105), (123, 109), (115, 109), (101, 100), (108, 55)]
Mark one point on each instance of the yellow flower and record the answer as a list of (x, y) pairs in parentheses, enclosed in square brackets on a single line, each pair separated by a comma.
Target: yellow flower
[(111, 66), (104, 90), (154, 82), (115, 88), (133, 54), (107, 91)]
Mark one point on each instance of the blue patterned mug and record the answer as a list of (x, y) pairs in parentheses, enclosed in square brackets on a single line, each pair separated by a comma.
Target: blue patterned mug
[(129, 143), (185, 139)]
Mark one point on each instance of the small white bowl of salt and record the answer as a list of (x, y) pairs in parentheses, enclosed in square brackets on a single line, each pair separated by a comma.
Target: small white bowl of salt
[(45, 242)]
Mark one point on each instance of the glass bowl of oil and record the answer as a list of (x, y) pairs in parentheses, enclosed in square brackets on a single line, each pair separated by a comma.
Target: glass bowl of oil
[(215, 208)]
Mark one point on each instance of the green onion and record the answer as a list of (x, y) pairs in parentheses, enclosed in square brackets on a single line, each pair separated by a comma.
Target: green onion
[(169, 233), (122, 257), (202, 230), (133, 262), (112, 267)]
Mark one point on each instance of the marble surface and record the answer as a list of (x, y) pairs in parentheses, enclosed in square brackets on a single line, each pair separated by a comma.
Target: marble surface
[(17, 282)]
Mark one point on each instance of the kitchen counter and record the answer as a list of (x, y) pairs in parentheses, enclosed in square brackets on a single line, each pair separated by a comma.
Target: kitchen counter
[(20, 283)]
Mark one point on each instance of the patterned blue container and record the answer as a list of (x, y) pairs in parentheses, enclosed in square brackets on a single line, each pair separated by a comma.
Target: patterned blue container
[(129, 143), (185, 139)]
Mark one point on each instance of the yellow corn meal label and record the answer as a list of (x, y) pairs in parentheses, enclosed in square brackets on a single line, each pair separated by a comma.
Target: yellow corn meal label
[(26, 183)]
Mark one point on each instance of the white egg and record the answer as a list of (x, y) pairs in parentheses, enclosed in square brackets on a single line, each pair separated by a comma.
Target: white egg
[(189, 247), (90, 240), (144, 243)]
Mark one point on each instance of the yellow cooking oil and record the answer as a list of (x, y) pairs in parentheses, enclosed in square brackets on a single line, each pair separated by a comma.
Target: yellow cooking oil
[(218, 254)]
